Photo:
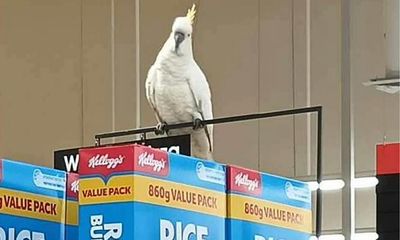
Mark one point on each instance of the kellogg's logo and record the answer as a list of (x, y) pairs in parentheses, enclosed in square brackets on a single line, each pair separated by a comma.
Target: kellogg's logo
[(147, 159), (75, 186), (246, 181), (72, 185), (104, 160), (155, 162), (243, 179)]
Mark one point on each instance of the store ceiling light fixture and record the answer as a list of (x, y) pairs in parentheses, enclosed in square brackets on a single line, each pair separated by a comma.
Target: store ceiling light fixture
[(327, 185), (334, 184), (337, 184), (365, 236), (328, 237), (313, 185), (357, 236), (365, 182)]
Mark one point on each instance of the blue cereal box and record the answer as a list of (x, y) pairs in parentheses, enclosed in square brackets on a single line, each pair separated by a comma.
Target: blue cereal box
[(32, 202), (267, 207), (72, 207), (137, 192)]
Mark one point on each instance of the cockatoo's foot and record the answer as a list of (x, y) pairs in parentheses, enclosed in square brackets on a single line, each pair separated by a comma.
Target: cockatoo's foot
[(160, 128), (197, 124)]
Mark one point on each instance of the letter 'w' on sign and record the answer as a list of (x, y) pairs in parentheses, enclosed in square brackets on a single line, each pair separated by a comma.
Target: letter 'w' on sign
[(71, 163)]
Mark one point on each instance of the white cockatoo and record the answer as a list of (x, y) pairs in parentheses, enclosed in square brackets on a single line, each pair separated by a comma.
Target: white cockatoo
[(177, 89)]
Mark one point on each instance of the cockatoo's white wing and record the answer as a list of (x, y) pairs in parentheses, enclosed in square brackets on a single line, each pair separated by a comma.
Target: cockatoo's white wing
[(202, 95), (150, 91)]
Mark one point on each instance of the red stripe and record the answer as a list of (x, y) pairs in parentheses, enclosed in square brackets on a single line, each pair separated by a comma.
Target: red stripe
[(388, 158)]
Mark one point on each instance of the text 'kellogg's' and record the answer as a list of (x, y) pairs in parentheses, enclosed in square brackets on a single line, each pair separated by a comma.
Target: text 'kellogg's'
[(104, 160)]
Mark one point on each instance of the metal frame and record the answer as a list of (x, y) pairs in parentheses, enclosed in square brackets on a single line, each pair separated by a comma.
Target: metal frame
[(347, 122), (240, 118)]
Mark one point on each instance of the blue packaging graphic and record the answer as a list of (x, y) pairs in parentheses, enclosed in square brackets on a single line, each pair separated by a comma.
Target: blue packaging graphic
[(267, 207), (32, 202), (136, 192)]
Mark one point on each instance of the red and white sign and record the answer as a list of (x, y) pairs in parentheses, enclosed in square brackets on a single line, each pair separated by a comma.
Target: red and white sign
[(72, 185), (244, 181), (388, 158), (106, 160), (151, 161)]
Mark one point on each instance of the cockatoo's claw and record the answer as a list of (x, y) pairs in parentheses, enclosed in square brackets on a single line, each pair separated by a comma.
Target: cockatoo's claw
[(160, 128), (197, 124)]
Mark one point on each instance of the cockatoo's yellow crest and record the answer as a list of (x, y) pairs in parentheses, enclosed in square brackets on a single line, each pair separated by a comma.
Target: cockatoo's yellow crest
[(191, 13)]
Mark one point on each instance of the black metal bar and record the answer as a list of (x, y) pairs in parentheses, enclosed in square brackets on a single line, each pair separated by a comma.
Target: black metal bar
[(318, 222), (124, 133), (211, 121), (248, 117)]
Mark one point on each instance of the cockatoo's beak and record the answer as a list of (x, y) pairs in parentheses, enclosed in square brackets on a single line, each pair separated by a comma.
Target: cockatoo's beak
[(179, 37)]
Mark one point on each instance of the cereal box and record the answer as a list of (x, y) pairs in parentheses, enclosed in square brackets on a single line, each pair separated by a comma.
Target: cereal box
[(32, 202), (137, 192), (267, 207)]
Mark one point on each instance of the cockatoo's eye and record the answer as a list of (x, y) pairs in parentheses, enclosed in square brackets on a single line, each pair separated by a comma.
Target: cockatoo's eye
[(188, 35)]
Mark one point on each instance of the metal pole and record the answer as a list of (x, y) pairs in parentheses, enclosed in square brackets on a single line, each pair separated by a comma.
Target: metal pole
[(347, 139)]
